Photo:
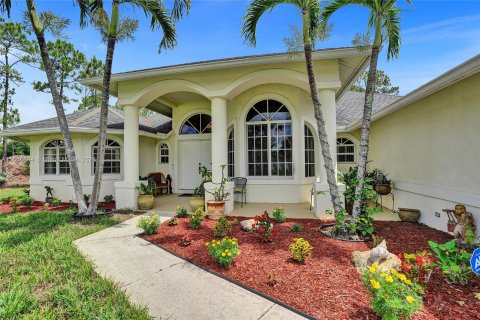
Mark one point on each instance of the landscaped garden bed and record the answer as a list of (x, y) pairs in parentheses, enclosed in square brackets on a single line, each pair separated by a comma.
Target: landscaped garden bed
[(326, 285)]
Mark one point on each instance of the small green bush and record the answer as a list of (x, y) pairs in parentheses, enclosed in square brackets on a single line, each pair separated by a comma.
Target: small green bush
[(296, 227), (279, 214), (56, 201), (224, 251), (108, 198), (300, 249), (26, 168), (222, 227), (13, 203), (181, 212), (3, 179), (173, 221), (454, 263), (196, 218), (26, 201), (149, 223)]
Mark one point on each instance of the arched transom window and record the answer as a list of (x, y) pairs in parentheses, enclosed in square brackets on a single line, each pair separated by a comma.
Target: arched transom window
[(163, 153), (55, 160), (112, 158), (309, 152), (269, 134), (197, 124), (345, 151)]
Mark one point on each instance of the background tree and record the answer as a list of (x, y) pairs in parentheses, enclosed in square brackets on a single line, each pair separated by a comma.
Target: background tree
[(67, 64), (384, 22), (15, 49), (382, 83), (53, 25), (295, 44), (113, 29), (310, 10), (90, 97)]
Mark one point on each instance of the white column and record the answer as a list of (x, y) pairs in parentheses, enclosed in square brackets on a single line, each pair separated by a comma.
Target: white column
[(219, 137), (126, 192), (329, 109)]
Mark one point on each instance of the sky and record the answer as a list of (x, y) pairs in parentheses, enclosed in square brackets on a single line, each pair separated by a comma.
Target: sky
[(437, 35)]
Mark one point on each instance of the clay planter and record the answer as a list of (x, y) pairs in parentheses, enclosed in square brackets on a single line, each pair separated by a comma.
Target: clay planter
[(197, 202), (145, 202), (215, 209), (409, 215), (383, 189)]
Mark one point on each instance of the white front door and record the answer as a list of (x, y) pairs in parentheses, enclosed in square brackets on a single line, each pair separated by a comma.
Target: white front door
[(192, 155)]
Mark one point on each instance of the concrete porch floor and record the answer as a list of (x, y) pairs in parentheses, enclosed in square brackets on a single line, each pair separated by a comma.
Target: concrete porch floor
[(168, 203)]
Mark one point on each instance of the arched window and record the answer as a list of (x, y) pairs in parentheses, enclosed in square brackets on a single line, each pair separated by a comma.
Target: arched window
[(197, 124), (269, 134), (55, 159), (345, 151), (111, 164), (231, 153), (163, 153), (309, 152)]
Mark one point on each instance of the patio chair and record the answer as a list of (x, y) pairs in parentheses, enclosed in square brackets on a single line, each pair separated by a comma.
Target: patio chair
[(160, 182), (240, 187)]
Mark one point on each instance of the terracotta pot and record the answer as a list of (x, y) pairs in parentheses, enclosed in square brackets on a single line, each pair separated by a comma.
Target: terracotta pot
[(145, 202), (383, 189), (197, 202), (409, 215), (215, 209)]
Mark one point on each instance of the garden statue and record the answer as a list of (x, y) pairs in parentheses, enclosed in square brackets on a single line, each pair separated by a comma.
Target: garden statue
[(463, 219), (49, 197), (379, 253)]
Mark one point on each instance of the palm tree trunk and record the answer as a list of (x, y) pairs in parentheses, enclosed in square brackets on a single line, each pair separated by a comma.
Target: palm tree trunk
[(102, 135), (57, 102), (366, 121), (322, 133)]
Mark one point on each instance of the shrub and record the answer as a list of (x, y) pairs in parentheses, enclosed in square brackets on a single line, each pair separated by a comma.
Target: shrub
[(26, 168), (13, 203), (173, 221), (224, 251), (264, 227), (394, 296), (26, 201), (26, 191), (454, 263), (279, 214), (149, 223), (222, 227), (108, 198), (56, 201), (86, 198), (3, 179), (417, 266), (196, 218), (181, 212), (296, 227), (300, 249)]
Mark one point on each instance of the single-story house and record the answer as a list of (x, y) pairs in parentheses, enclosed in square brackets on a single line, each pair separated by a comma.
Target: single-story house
[(254, 114)]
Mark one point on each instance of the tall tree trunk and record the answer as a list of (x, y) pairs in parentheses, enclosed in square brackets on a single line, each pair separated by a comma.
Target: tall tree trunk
[(322, 132), (366, 121), (102, 134), (57, 102), (4, 110)]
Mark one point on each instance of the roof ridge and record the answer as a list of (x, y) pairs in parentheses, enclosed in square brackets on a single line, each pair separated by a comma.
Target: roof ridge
[(86, 116)]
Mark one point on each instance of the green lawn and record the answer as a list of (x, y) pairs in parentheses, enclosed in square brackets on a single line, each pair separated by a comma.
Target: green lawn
[(43, 276), (11, 192)]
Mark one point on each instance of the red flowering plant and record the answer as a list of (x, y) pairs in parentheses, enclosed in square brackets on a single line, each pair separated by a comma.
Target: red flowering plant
[(418, 267), (264, 227)]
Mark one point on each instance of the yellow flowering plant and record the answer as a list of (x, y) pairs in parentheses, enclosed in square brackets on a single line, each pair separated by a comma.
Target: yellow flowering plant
[(149, 223), (300, 249), (394, 296), (224, 251), (196, 218)]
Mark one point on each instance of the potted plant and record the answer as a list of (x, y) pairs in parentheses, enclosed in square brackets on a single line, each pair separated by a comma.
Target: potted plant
[(146, 200), (197, 200), (216, 207), (383, 185)]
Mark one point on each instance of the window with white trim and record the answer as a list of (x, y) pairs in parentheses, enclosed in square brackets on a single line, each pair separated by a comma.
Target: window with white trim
[(231, 153), (112, 160), (345, 150), (163, 156), (309, 152), (269, 140), (197, 124), (55, 160)]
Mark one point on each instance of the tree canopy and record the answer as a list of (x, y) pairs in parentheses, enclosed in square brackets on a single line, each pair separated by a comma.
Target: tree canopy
[(382, 83)]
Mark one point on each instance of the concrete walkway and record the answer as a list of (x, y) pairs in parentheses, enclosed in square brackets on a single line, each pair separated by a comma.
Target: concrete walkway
[(170, 287)]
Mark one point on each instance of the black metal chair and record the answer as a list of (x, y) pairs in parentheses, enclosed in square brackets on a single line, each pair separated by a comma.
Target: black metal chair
[(240, 187)]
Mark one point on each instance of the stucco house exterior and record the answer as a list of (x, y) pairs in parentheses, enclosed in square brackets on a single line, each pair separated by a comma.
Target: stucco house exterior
[(254, 114)]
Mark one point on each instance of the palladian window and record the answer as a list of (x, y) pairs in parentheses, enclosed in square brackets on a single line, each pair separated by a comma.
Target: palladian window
[(269, 134), (111, 164), (55, 160)]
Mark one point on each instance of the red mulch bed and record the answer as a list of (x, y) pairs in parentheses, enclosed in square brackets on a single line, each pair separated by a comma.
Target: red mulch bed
[(37, 206), (327, 286)]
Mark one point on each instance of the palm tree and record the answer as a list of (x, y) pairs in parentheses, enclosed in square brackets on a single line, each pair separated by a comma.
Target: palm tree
[(39, 30), (384, 21), (310, 10), (111, 33)]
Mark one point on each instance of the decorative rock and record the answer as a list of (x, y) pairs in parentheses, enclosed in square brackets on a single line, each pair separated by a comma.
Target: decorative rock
[(361, 260), (247, 225), (379, 253)]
